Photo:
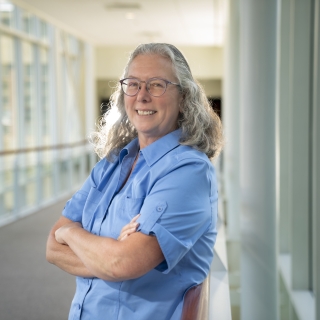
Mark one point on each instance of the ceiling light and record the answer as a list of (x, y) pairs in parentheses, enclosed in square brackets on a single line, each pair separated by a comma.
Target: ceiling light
[(123, 6), (130, 15), (6, 6), (150, 36)]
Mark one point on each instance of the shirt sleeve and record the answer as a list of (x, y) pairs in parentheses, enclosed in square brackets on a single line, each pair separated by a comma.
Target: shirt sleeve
[(73, 209), (178, 210)]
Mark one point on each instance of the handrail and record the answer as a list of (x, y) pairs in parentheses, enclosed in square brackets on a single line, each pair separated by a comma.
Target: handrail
[(42, 148), (203, 312), (191, 303), (196, 302)]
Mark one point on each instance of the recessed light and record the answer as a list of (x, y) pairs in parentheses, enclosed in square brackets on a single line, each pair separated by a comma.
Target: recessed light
[(6, 6), (130, 15), (123, 6), (150, 36)]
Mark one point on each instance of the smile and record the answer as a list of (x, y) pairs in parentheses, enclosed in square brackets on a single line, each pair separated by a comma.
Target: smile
[(145, 113)]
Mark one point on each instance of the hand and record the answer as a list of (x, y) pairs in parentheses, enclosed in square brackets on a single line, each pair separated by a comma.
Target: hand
[(129, 228), (59, 234)]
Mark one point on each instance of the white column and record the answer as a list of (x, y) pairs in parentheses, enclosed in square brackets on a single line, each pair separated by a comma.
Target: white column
[(283, 114), (257, 159), (18, 194), (231, 152), (230, 116), (54, 101), (316, 161), (299, 186), (91, 110)]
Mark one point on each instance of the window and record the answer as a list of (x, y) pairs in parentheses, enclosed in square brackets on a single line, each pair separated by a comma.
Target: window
[(42, 112)]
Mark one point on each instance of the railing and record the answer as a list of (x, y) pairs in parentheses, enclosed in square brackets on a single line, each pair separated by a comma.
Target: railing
[(31, 178), (218, 287), (211, 299), (43, 148)]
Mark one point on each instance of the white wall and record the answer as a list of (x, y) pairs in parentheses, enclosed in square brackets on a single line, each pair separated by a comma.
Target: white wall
[(206, 64)]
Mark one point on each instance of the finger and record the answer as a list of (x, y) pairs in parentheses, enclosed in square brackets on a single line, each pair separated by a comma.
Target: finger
[(134, 219), (133, 229), (127, 232), (122, 237), (129, 226), (125, 228)]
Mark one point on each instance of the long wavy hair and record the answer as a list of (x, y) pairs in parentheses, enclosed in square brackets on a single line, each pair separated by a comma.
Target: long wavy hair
[(200, 125)]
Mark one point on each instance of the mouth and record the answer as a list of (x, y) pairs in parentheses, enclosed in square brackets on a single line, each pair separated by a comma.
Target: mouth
[(145, 112)]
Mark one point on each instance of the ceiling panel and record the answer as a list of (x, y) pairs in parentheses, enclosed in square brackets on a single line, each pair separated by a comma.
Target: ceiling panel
[(129, 22)]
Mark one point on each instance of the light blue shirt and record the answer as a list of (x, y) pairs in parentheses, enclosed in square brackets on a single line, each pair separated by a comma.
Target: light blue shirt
[(174, 188)]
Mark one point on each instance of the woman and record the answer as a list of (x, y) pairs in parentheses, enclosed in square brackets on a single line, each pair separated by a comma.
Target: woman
[(155, 161)]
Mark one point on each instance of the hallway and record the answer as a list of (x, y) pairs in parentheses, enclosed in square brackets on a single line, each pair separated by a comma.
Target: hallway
[(31, 288), (61, 61)]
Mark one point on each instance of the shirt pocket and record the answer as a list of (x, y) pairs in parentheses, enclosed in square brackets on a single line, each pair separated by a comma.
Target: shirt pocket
[(121, 211), (132, 206), (90, 206)]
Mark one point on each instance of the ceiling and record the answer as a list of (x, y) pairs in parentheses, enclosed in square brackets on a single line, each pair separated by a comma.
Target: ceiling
[(129, 22)]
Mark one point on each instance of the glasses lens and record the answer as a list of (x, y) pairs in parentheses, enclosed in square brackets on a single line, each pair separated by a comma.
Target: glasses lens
[(130, 86), (156, 87)]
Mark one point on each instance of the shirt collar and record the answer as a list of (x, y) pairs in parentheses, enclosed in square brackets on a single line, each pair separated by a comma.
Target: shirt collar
[(131, 148), (153, 152)]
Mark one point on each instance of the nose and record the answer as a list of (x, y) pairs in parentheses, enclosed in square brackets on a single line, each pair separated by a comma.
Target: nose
[(143, 95)]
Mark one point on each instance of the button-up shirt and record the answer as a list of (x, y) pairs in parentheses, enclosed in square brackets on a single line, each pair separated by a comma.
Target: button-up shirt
[(174, 189)]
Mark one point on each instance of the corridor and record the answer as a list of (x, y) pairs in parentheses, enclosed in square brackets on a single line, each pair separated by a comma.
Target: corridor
[(30, 287), (258, 61)]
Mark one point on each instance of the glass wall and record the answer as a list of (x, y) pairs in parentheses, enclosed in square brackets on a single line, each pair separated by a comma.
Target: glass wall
[(43, 149), (294, 137), (8, 93)]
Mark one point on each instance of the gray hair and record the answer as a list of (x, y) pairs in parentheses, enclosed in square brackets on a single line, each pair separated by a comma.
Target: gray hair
[(201, 127)]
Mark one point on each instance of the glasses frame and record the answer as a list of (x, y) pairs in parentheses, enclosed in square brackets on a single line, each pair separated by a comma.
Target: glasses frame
[(146, 82)]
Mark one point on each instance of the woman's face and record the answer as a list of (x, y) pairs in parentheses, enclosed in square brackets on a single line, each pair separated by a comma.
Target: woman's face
[(153, 117)]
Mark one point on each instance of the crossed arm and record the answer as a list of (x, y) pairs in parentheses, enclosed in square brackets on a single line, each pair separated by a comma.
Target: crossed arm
[(81, 253)]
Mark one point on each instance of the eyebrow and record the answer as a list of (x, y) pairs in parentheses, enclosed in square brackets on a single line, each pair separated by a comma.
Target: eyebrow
[(130, 76)]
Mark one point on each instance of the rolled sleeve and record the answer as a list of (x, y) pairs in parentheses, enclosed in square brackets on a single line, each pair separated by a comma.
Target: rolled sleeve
[(178, 209), (73, 209)]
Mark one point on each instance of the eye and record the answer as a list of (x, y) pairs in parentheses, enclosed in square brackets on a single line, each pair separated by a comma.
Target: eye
[(157, 83), (132, 83)]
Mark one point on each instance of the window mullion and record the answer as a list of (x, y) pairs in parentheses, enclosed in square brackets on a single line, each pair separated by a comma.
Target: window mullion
[(300, 155), (316, 161), (39, 124)]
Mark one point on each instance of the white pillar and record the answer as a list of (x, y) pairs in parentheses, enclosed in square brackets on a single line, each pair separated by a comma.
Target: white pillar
[(257, 159), (231, 152), (90, 107), (230, 117), (299, 186), (316, 161), (283, 116)]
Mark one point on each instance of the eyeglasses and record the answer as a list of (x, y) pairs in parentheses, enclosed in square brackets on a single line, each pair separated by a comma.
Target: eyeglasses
[(155, 86)]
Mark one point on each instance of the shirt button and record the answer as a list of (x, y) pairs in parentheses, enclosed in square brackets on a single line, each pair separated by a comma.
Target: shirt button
[(78, 306), (159, 209)]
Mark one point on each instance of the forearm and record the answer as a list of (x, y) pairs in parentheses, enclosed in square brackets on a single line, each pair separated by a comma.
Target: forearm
[(63, 257), (110, 259), (95, 253)]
